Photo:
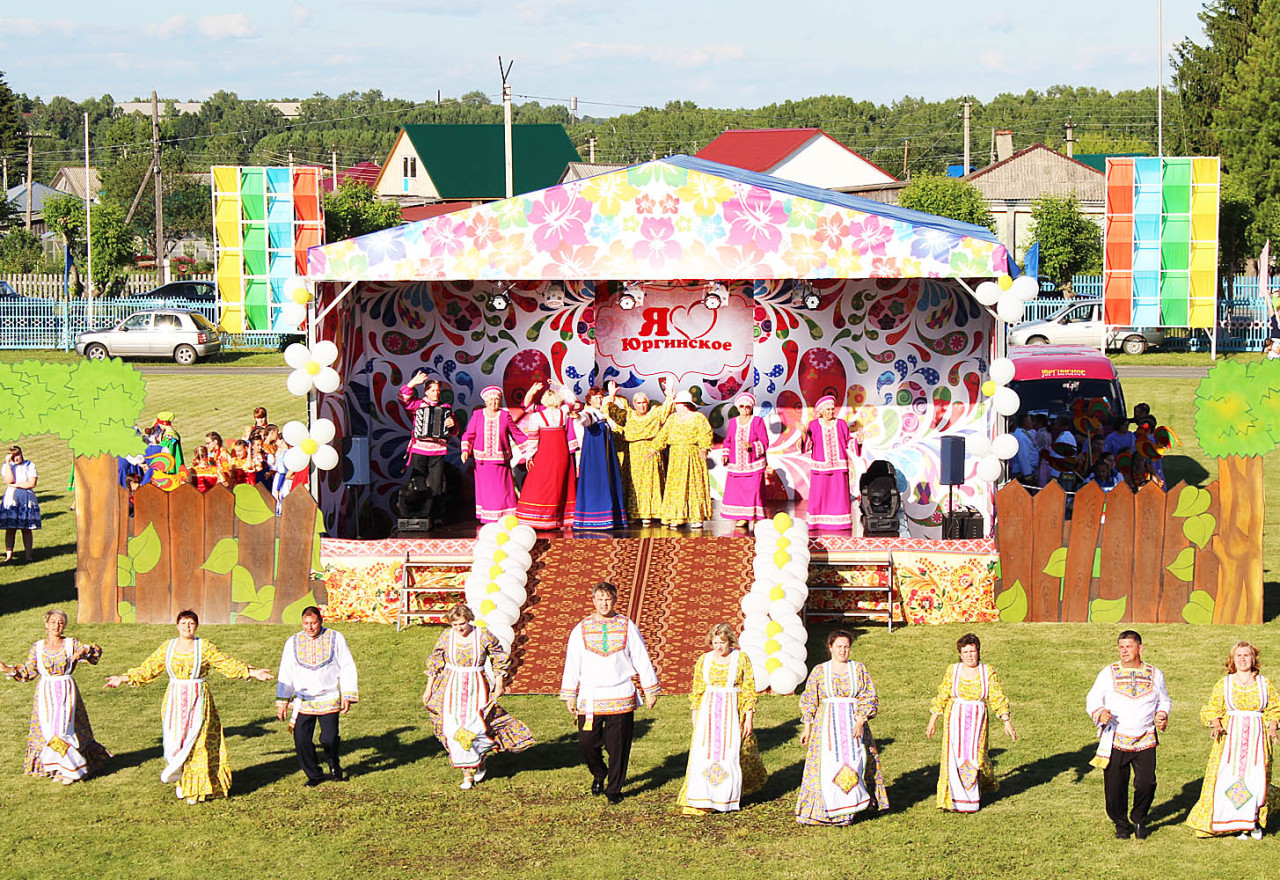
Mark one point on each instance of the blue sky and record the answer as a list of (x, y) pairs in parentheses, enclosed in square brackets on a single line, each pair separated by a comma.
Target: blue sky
[(611, 55)]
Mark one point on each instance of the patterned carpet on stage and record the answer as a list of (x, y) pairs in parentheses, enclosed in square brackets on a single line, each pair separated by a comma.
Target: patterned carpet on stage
[(673, 588)]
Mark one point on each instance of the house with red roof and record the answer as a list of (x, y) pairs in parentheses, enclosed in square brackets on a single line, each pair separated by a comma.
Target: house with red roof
[(364, 172), (803, 155)]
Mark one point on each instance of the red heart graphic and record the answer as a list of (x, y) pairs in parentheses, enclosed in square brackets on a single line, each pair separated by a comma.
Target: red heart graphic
[(689, 323)]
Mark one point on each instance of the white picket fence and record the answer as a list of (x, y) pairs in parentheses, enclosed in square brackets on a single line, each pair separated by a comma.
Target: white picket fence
[(52, 286)]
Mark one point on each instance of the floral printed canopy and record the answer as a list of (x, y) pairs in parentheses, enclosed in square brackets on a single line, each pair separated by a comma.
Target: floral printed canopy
[(675, 218)]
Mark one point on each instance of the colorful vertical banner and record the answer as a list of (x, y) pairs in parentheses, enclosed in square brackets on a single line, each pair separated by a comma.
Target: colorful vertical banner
[(264, 219), (1160, 258)]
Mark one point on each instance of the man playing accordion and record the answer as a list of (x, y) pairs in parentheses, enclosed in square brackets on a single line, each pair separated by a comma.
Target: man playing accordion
[(433, 425)]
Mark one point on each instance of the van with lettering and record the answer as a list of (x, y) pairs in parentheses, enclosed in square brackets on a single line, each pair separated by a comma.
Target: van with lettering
[(1051, 378)]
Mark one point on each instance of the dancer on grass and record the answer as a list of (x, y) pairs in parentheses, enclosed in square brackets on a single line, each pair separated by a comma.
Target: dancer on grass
[(745, 443)]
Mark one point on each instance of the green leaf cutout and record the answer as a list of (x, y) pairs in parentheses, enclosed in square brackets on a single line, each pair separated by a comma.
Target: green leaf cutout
[(1097, 563), (1057, 565), (126, 612), (1199, 608), (315, 542), (1107, 610), (1192, 501), (1184, 567), (251, 508), (260, 608), (293, 612), (242, 586), (124, 571), (223, 557), (1199, 529), (144, 549), (1012, 604)]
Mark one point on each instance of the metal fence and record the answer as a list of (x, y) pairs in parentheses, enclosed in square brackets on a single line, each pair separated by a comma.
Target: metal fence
[(53, 286)]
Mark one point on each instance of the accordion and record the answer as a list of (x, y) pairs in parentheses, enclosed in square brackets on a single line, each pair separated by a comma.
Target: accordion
[(428, 422)]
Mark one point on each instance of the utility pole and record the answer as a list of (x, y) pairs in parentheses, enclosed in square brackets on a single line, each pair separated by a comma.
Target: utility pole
[(290, 158), (506, 126), (333, 156), (161, 262), (88, 221), (906, 151), (992, 161), (1160, 72), (31, 136), (967, 105), (5, 160), (573, 108), (1071, 138), (591, 149)]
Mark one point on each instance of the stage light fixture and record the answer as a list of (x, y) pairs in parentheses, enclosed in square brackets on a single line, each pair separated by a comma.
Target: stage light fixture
[(716, 296), (632, 296), (498, 301), (804, 295), (554, 296)]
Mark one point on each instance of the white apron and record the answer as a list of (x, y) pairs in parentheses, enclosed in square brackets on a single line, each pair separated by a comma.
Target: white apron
[(183, 712), (1241, 787), (843, 758), (466, 696), (56, 710), (965, 720), (714, 778)]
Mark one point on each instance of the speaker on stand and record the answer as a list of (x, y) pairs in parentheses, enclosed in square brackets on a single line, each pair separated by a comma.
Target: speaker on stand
[(956, 524)]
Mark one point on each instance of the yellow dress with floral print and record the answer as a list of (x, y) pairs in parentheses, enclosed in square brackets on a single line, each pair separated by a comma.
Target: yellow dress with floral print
[(640, 458), (686, 498), (207, 772), (754, 774), (997, 705)]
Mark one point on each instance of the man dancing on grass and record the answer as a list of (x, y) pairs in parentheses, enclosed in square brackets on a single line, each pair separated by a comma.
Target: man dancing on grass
[(1129, 703), (605, 651), (318, 682)]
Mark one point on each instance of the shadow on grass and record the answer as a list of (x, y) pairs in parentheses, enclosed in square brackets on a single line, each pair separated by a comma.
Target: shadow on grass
[(1270, 601), (388, 750), (1184, 468), (32, 585), (1028, 776), (128, 760), (1175, 810)]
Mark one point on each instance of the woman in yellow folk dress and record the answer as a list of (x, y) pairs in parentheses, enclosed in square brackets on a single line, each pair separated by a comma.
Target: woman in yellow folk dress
[(724, 757), (195, 753), (639, 457), (686, 498), (1242, 716), (969, 693)]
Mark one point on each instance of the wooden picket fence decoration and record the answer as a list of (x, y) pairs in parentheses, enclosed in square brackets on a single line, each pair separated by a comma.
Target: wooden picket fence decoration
[(1120, 558), (224, 554)]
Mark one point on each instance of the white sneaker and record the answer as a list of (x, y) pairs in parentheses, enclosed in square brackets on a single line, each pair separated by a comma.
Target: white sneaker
[(1256, 834), (480, 771), (467, 783), (1244, 835)]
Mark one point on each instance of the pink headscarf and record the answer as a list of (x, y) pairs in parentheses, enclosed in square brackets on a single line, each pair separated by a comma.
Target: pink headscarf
[(826, 398), (492, 389), (745, 397)]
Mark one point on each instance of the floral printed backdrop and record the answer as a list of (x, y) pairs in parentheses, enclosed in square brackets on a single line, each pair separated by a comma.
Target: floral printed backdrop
[(905, 357)]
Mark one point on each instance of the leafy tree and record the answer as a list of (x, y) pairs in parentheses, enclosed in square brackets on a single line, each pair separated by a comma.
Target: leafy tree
[(1108, 144), (1247, 124), (114, 245), (1201, 72), (1070, 243), (10, 118), (20, 252), (353, 209), (1237, 229), (946, 197), (187, 205)]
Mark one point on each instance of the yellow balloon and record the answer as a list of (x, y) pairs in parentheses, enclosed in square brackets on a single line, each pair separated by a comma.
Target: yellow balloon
[(493, 588), (782, 521), (771, 646), (773, 628), (499, 555), (988, 388), (502, 538), (784, 543), (775, 594), (487, 605), (494, 571), (1005, 282), (301, 296), (510, 521), (781, 558), (772, 663)]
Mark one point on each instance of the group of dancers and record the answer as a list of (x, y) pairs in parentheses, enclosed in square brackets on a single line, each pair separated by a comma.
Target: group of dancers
[(636, 462), (468, 672)]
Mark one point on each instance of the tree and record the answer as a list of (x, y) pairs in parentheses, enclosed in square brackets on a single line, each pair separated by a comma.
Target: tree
[(1070, 243), (1246, 123), (353, 209), (1108, 144), (187, 206), (1201, 72), (946, 197), (20, 252), (10, 118), (114, 245)]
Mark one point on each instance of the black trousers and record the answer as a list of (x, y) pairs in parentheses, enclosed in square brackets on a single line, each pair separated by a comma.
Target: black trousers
[(612, 733), (1115, 782), (304, 730), (424, 494)]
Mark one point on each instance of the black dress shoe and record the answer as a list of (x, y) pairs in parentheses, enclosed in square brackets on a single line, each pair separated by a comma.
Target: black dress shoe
[(614, 799), (337, 774), (1123, 834), (312, 783), (597, 787), (1141, 831)]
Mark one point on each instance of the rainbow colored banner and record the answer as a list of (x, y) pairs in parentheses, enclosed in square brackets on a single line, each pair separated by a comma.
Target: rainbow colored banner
[(264, 219), (1160, 264)]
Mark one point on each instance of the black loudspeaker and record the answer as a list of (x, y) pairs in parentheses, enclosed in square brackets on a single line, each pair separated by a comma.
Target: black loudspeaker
[(952, 459), (963, 523)]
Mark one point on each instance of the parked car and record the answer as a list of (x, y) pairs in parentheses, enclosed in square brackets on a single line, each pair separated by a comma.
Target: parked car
[(1080, 323), (7, 291), (197, 291), (1051, 378), (182, 334)]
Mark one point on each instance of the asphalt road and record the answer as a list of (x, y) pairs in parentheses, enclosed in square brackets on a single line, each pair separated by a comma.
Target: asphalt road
[(1136, 372)]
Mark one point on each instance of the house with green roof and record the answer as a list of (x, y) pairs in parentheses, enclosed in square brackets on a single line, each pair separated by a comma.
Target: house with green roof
[(455, 163)]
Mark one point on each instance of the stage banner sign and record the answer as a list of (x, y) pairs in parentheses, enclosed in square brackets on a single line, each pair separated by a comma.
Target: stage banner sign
[(1160, 264), (264, 219)]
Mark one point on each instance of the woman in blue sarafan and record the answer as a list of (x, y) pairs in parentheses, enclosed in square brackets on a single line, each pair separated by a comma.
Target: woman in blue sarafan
[(601, 503)]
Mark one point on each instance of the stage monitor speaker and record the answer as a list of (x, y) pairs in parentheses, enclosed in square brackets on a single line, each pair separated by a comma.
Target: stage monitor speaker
[(964, 523), (951, 454), (359, 458), (412, 526)]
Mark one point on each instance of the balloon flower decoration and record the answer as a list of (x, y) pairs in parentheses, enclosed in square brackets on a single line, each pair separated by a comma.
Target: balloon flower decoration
[(774, 636), (312, 368), (495, 589), (308, 447), (1007, 296), (293, 311), (992, 454)]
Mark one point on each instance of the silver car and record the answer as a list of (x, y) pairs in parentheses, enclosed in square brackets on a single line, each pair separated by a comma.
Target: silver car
[(181, 334), (1080, 323)]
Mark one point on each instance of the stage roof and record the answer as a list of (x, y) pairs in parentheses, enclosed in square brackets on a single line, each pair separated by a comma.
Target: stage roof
[(674, 218)]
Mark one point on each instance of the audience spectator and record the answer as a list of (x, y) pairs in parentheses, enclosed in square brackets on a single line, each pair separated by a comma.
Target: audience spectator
[(1120, 438)]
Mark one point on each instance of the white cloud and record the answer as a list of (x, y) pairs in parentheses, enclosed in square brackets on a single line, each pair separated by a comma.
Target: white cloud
[(233, 25), (33, 27), (995, 60), (300, 13), (676, 56), (1000, 23), (169, 28)]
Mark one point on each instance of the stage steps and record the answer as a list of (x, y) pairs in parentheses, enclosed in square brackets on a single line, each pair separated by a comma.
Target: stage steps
[(673, 588)]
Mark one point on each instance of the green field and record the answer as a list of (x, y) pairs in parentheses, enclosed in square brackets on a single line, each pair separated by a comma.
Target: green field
[(402, 815)]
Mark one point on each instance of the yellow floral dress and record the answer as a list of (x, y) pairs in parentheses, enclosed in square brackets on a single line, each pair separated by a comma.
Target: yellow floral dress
[(754, 775), (997, 705), (640, 458), (206, 773), (686, 498), (1246, 699)]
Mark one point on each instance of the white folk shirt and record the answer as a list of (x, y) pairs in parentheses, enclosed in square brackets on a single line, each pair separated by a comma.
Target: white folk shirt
[(1135, 697), (317, 674), (602, 657)]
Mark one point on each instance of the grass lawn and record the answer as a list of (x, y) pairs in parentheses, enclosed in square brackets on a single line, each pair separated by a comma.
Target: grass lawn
[(402, 814)]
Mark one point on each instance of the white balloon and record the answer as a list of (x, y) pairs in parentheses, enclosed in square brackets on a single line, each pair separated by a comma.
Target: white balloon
[(513, 580), (504, 634), (502, 616), (326, 458), (490, 530), (520, 576), (796, 630), (780, 608), (297, 355), (294, 286), (766, 529), (517, 558), (521, 541), (763, 568), (294, 433), (1006, 401), (324, 352), (296, 460), (755, 603), (783, 681), (482, 552), (795, 596), (796, 568), (756, 622), (299, 383), (1009, 309), (752, 639), (987, 293), (990, 468), (1004, 447), (1001, 371), (292, 314), (323, 430), (1025, 287), (797, 530), (797, 666), (761, 674), (515, 592), (977, 445), (327, 380)]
